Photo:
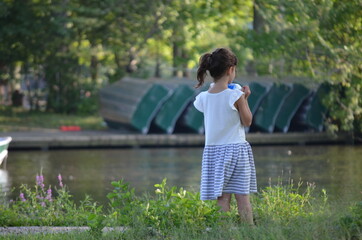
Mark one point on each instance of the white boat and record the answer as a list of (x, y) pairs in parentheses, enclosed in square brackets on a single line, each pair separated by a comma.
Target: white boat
[(4, 144), (4, 183)]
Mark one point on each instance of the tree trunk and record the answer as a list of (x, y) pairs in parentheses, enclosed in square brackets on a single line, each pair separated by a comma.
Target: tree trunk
[(117, 60), (93, 63), (158, 67), (158, 63), (258, 27), (94, 69), (175, 54), (185, 72), (132, 61), (258, 20)]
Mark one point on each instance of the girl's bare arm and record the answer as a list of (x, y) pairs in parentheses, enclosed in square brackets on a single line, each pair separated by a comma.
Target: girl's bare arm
[(244, 111)]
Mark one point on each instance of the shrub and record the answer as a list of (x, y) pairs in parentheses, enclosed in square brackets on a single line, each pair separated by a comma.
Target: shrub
[(38, 206), (352, 221), (169, 208), (286, 203)]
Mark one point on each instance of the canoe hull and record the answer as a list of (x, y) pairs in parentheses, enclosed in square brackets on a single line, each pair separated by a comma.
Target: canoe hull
[(4, 144)]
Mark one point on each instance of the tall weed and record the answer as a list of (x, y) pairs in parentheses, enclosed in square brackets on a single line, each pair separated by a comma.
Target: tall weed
[(169, 208), (285, 203), (47, 206)]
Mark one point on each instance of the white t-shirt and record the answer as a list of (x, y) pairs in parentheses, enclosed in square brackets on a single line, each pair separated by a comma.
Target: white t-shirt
[(221, 118)]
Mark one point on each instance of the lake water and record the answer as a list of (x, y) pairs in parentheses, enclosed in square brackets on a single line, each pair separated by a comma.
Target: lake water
[(338, 169)]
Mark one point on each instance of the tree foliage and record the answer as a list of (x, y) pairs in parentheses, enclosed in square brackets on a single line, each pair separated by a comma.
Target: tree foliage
[(320, 40), (77, 46)]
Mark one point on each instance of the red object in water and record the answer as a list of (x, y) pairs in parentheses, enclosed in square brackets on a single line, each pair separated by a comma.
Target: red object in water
[(69, 128)]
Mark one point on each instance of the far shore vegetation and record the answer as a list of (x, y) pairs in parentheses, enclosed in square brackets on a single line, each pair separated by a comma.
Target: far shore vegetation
[(20, 119), (59, 54)]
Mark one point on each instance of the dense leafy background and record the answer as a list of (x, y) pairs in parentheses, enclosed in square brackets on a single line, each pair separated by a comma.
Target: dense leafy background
[(77, 46)]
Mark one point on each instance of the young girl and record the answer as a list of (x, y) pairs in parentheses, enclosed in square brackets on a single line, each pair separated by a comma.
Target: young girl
[(227, 163)]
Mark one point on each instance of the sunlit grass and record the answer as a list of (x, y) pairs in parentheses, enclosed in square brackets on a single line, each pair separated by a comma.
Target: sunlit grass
[(19, 119)]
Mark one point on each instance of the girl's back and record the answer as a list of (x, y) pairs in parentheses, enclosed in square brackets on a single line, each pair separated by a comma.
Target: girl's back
[(221, 118)]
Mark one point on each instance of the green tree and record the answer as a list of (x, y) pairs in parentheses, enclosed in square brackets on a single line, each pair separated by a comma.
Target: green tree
[(316, 39), (129, 26), (196, 26), (26, 34), (78, 45)]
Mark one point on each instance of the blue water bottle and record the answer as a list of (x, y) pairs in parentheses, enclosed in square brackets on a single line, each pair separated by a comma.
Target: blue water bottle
[(234, 86)]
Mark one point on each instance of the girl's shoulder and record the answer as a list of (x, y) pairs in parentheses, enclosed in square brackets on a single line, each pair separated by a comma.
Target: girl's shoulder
[(225, 93), (200, 94)]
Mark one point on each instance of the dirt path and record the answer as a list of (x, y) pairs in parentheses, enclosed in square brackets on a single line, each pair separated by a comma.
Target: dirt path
[(36, 229)]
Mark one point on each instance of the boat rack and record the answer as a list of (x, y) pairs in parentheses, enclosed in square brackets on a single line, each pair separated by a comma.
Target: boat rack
[(165, 106)]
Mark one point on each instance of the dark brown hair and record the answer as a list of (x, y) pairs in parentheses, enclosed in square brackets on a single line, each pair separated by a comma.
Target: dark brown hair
[(217, 63)]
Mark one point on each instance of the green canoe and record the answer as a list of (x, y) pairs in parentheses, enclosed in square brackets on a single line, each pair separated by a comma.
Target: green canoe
[(265, 117), (172, 109), (132, 102), (290, 106), (258, 92), (316, 113), (192, 120)]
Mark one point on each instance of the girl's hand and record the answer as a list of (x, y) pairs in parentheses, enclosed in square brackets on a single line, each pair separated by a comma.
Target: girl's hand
[(246, 91)]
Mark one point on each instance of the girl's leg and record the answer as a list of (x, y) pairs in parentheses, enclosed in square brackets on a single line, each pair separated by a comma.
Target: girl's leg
[(224, 202), (244, 208)]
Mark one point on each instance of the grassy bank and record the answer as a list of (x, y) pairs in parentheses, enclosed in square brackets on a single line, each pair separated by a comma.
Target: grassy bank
[(19, 119), (281, 212)]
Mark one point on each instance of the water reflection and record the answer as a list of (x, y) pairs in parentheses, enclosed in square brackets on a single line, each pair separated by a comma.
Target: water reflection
[(336, 168)]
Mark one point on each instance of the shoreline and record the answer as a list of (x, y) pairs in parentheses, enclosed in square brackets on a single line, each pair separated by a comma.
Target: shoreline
[(56, 139)]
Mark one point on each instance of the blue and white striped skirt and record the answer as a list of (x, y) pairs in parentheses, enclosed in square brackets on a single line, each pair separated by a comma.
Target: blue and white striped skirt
[(227, 168)]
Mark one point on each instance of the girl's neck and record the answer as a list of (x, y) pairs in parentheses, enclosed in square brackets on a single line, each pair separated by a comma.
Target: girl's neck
[(219, 85)]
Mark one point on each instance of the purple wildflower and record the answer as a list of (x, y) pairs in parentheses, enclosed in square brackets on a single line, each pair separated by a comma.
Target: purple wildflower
[(60, 180), (49, 194), (40, 181), (42, 204), (22, 198)]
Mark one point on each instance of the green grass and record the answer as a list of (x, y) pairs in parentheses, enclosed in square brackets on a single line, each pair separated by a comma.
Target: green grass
[(281, 212), (323, 227), (19, 119)]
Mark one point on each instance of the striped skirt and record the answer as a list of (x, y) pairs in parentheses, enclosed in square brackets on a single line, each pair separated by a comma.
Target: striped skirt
[(227, 168)]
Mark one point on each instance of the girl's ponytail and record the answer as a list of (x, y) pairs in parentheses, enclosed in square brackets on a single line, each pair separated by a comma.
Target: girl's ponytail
[(204, 65), (217, 63)]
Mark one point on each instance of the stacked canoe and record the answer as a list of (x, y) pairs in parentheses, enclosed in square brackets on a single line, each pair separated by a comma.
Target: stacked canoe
[(165, 106)]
